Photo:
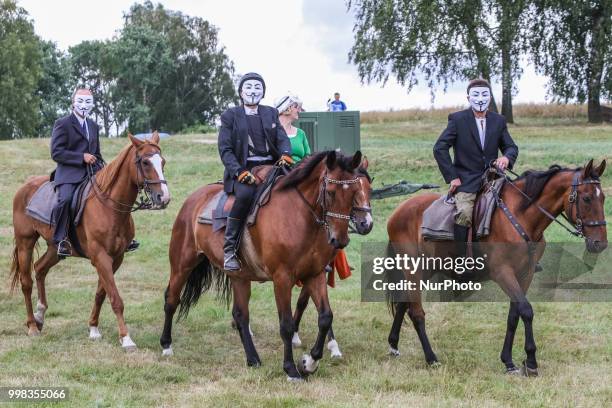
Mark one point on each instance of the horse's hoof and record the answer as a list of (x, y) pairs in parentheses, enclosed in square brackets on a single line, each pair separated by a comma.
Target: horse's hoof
[(127, 343), (434, 364), (332, 346), (39, 324), (528, 372), (94, 333), (513, 371), (33, 331), (295, 379), (296, 341), (254, 364), (167, 352), (393, 352), (307, 365)]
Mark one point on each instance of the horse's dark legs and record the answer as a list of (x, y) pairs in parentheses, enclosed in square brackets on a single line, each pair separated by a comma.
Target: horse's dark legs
[(300, 307), (181, 266), (282, 293), (398, 319), (317, 287), (240, 312), (417, 315), (506, 354), (526, 312)]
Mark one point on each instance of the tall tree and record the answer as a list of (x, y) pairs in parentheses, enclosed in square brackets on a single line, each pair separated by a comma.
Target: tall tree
[(93, 65), (441, 41), (20, 71), (573, 46), (53, 87), (199, 85)]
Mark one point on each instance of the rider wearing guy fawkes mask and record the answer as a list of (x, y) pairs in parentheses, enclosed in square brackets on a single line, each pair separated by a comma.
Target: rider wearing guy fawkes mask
[(250, 135), (476, 136)]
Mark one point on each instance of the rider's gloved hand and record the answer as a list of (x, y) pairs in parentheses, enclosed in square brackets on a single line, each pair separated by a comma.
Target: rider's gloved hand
[(285, 161), (246, 177)]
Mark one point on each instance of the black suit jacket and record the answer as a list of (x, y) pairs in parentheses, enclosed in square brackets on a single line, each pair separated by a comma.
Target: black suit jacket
[(470, 159), (233, 140), (68, 144)]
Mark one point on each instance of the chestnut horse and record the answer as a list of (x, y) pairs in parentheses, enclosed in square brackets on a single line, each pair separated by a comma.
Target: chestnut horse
[(295, 236), (104, 233), (535, 199)]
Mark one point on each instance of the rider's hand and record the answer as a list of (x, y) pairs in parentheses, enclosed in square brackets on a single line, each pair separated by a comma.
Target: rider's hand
[(284, 161), (89, 158), (246, 177), (454, 184), (502, 162)]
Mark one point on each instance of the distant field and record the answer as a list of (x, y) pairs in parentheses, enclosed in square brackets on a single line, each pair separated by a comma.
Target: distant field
[(208, 369)]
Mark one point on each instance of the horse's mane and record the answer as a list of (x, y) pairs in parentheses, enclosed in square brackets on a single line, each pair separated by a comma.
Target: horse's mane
[(106, 177), (305, 168), (536, 180)]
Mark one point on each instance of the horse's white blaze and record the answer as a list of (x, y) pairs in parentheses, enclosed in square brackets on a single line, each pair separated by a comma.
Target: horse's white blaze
[(597, 191), (333, 347), (157, 164), (296, 341), (94, 333)]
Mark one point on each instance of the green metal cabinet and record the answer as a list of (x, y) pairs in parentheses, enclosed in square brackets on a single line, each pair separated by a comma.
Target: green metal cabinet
[(331, 130)]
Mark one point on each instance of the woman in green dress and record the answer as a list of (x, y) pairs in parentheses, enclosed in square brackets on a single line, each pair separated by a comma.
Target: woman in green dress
[(289, 108)]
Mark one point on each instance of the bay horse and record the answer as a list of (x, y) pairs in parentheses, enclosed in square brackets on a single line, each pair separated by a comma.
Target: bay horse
[(535, 200), (294, 237), (104, 233)]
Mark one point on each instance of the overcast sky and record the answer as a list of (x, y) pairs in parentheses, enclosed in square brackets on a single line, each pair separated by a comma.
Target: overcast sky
[(296, 45)]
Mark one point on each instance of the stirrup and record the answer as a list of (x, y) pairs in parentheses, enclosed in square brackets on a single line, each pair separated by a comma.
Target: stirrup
[(64, 245), (228, 259)]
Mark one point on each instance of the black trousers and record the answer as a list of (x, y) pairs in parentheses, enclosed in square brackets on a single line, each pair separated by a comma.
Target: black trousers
[(61, 211), (245, 194)]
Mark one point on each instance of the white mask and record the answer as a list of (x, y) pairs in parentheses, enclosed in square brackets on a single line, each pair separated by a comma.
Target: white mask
[(252, 92), (479, 98), (83, 104)]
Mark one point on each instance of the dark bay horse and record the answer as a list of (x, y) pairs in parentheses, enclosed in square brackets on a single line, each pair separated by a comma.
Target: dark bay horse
[(104, 233), (295, 236), (575, 192)]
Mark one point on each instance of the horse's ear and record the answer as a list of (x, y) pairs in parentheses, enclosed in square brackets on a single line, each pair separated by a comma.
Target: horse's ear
[(356, 160), (155, 137), (586, 173), (364, 162), (600, 169), (135, 141), (331, 159)]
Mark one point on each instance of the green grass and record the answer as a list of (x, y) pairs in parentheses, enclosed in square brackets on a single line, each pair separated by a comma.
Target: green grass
[(208, 369)]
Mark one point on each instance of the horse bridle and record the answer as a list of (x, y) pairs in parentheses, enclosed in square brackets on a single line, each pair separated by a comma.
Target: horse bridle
[(577, 228), (322, 202), (144, 200)]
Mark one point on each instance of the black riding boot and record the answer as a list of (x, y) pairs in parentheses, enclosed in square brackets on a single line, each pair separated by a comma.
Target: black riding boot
[(230, 247), (460, 233)]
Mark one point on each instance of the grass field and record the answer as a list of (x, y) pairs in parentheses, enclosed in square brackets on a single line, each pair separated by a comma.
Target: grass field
[(208, 369)]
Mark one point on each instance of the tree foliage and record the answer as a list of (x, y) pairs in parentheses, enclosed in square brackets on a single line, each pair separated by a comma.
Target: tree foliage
[(20, 71), (53, 87), (572, 45)]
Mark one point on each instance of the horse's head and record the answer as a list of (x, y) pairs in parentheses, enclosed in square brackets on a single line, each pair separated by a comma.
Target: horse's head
[(149, 174), (585, 206), (341, 190), (361, 213)]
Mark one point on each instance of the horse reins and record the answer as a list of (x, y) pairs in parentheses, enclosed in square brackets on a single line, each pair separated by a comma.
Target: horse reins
[(143, 202), (578, 227)]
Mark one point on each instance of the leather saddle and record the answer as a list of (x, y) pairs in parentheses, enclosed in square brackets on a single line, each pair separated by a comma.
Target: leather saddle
[(40, 206)]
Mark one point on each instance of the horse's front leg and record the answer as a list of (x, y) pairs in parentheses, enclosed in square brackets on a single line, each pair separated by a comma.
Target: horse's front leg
[(506, 354), (282, 293), (104, 265), (300, 307), (240, 312), (94, 332), (317, 288)]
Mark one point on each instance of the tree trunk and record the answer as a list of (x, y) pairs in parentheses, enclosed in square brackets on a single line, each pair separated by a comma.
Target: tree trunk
[(595, 69), (507, 86)]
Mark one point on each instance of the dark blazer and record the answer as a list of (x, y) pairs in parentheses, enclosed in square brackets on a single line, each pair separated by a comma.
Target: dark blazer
[(68, 144), (470, 160), (233, 140)]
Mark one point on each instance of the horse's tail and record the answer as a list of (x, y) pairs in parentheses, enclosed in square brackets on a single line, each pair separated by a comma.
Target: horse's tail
[(14, 269), (201, 279)]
